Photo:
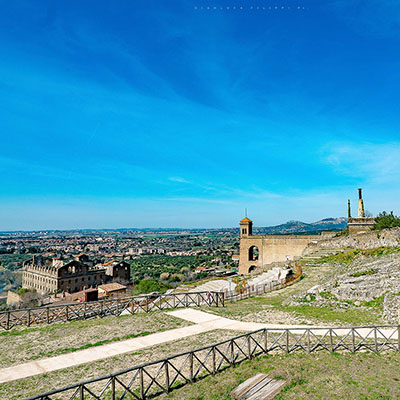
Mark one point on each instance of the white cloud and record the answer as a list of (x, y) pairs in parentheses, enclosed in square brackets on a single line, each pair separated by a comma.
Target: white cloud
[(178, 179), (373, 163)]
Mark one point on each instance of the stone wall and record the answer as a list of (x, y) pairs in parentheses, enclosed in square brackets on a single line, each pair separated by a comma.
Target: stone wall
[(364, 240), (272, 248)]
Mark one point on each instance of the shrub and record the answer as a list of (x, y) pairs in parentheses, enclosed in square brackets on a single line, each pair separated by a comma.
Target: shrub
[(164, 276), (148, 286), (371, 271), (386, 220)]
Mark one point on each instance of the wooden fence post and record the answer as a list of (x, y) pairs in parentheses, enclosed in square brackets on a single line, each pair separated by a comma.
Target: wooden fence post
[(29, 318), (398, 337), (353, 341), (330, 340), (113, 388), (191, 366), (166, 376), (287, 341), (249, 346), (141, 382), (266, 340), (213, 360), (8, 320), (376, 340), (308, 341), (48, 314), (81, 392)]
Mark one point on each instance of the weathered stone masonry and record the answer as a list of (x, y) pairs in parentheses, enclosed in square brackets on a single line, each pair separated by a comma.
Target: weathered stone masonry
[(258, 251)]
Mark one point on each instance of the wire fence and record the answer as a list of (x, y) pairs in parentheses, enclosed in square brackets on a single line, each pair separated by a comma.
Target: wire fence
[(161, 376), (101, 308)]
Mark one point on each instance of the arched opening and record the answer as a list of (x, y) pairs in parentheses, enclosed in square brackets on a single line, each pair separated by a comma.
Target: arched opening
[(252, 268), (253, 253)]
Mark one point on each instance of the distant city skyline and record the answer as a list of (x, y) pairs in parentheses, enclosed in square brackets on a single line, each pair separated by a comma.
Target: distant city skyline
[(154, 114)]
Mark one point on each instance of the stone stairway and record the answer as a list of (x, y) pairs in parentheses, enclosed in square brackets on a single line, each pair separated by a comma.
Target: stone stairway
[(220, 285)]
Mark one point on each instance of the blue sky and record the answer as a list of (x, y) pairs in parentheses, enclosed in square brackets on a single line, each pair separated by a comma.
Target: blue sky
[(162, 114)]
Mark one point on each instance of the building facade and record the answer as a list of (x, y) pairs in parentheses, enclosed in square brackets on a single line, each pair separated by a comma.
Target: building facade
[(47, 275)]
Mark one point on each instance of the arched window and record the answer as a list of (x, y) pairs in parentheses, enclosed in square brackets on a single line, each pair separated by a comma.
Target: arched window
[(253, 253)]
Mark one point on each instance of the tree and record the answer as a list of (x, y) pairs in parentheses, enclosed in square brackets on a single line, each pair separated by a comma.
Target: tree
[(385, 220)]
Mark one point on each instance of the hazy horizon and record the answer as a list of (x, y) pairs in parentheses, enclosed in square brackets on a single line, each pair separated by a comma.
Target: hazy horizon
[(157, 227)]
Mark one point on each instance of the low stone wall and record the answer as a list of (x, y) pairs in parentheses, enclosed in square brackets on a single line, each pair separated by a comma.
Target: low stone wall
[(364, 240)]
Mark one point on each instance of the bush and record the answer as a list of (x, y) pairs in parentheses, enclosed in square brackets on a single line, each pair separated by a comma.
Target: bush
[(385, 220), (371, 271), (148, 286), (164, 276)]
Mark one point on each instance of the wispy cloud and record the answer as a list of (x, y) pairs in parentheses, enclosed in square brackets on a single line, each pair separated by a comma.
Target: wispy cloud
[(178, 179), (369, 162)]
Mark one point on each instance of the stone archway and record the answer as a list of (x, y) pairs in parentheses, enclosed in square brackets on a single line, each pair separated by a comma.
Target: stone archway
[(254, 253), (252, 268)]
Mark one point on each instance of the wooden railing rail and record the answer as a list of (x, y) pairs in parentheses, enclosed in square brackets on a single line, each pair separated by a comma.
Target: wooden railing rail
[(144, 303)]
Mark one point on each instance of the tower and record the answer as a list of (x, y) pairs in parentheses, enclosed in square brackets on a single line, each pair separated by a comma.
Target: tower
[(246, 227), (361, 212), (348, 209)]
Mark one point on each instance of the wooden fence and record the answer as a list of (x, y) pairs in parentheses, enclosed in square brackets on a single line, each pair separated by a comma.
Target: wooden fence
[(101, 308), (150, 379), (262, 288)]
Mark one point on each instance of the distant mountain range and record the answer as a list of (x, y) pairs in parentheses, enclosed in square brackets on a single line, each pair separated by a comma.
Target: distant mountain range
[(290, 227)]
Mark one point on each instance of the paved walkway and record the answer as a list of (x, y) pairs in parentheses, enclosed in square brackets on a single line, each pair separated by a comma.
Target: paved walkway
[(204, 322)]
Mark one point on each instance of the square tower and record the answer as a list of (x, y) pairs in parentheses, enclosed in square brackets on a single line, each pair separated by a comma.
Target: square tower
[(246, 227)]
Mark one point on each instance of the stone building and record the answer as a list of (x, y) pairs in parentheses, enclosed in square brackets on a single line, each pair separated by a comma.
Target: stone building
[(119, 271), (48, 275), (361, 223), (259, 251)]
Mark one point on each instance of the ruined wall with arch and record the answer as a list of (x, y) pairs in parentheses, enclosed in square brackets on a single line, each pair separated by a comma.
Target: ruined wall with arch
[(271, 248)]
